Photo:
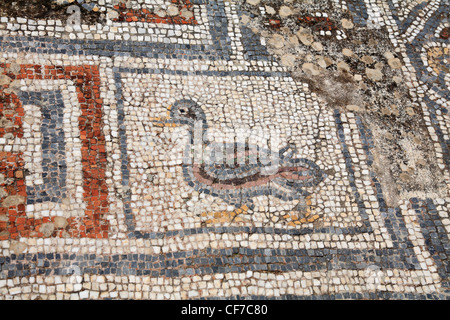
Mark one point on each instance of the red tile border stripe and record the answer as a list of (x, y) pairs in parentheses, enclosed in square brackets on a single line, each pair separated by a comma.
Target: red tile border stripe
[(13, 221)]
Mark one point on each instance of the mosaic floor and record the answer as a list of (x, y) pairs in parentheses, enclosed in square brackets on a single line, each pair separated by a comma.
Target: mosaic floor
[(195, 149)]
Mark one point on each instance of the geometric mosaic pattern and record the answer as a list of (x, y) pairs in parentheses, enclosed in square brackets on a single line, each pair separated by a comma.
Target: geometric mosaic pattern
[(98, 201)]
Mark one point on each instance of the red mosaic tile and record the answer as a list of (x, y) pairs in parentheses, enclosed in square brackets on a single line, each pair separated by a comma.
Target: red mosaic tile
[(144, 15), (318, 23), (445, 33)]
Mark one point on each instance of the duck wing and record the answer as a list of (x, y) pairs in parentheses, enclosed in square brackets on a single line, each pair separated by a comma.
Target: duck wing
[(299, 172), (228, 161)]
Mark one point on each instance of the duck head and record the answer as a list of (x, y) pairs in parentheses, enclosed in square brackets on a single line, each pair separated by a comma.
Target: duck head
[(182, 112)]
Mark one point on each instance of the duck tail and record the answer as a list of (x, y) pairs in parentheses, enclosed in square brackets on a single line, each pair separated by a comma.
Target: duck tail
[(288, 152), (298, 172)]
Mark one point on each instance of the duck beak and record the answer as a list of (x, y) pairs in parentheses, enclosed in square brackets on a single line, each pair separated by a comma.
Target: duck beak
[(165, 122)]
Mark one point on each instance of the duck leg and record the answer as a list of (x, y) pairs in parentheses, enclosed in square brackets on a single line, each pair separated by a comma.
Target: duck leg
[(301, 213)]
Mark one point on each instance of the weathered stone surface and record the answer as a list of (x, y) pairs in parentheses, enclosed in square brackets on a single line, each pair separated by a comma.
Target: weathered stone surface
[(379, 66), (321, 62), (374, 74), (293, 40), (277, 41), (343, 67), (410, 111), (253, 2), (60, 222), (18, 247), (13, 200), (161, 12), (14, 68), (270, 10), (367, 59), (185, 13), (388, 55), (353, 108), (317, 46), (347, 24), (395, 63), (173, 10), (311, 69), (405, 177), (285, 11), (3, 192), (112, 14), (6, 123), (348, 53), (305, 36), (4, 80), (47, 229), (245, 19), (288, 60)]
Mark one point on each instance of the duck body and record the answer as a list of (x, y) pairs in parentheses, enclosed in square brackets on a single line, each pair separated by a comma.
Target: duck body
[(237, 183), (237, 172)]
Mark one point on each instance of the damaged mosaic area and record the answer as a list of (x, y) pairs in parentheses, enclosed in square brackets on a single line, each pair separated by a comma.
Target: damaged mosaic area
[(193, 149)]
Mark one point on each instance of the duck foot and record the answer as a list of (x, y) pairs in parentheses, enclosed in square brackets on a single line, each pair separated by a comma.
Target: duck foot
[(226, 216), (302, 213), (295, 220)]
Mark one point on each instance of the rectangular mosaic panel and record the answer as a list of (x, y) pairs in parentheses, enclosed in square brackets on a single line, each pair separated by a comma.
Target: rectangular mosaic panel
[(48, 183)]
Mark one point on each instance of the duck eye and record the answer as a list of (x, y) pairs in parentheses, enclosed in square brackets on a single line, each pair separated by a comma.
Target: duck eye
[(182, 111)]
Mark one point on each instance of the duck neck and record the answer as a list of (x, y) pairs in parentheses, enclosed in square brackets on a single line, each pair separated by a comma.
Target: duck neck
[(198, 133)]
